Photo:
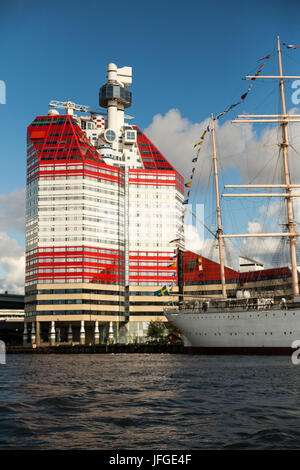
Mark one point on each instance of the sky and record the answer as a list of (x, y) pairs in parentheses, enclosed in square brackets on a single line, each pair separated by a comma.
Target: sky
[(188, 59)]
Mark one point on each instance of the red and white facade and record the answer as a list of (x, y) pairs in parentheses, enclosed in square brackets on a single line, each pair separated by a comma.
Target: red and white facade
[(102, 206)]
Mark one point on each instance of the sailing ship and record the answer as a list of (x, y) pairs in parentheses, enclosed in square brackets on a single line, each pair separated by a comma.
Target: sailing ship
[(247, 324)]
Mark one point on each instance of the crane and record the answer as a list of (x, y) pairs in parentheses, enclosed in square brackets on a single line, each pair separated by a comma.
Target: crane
[(70, 107)]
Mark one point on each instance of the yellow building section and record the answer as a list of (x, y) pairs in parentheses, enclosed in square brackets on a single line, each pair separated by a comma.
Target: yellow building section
[(76, 318), (151, 289)]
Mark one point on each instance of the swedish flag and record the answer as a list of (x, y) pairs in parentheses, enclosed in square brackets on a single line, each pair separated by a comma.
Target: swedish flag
[(162, 291)]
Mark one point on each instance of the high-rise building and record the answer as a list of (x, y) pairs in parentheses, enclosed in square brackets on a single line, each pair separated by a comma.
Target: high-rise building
[(102, 206)]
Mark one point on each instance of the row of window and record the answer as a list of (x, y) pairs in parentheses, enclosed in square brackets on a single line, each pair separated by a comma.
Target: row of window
[(75, 291), (75, 280), (79, 239), (75, 312), (74, 301)]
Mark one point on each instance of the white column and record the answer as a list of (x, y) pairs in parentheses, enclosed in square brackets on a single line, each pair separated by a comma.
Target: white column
[(52, 334), (112, 115), (96, 333), (70, 334), (25, 334), (82, 333), (110, 333), (33, 337)]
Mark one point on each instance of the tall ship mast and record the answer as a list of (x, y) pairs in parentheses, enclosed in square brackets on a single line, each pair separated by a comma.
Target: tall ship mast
[(219, 221), (248, 324)]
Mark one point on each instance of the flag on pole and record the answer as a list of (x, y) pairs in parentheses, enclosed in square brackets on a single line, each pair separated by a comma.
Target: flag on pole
[(162, 291), (173, 265)]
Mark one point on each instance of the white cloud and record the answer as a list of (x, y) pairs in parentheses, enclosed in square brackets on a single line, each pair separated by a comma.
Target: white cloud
[(12, 210), (254, 227), (12, 261), (238, 145)]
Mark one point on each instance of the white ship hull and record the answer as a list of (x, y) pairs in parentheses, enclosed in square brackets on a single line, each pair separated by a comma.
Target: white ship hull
[(265, 332)]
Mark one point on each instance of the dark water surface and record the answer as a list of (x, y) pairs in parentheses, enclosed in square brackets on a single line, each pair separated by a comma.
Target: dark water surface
[(143, 401)]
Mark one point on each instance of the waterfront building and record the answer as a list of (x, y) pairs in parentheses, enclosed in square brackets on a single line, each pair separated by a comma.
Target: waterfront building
[(202, 279), (102, 206)]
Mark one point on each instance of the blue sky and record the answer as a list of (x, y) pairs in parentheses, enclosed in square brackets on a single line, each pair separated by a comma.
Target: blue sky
[(188, 55)]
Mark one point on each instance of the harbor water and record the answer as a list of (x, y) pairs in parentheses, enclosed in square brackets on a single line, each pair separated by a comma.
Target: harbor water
[(149, 401)]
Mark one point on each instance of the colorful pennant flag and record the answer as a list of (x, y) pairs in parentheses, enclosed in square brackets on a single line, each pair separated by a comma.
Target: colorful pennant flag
[(243, 97), (290, 46), (266, 57), (256, 75)]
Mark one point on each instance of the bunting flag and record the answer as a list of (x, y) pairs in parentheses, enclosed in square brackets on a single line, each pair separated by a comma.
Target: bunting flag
[(162, 291), (257, 73), (202, 137), (290, 46), (266, 57), (259, 70), (243, 97), (228, 109)]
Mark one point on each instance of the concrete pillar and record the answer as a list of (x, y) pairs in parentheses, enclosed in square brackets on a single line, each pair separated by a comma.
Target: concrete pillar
[(82, 333), (110, 333), (33, 336), (70, 334), (96, 334), (52, 334), (38, 333), (25, 334)]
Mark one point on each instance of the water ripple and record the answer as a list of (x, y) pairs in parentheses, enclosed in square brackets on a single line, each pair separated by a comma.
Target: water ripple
[(148, 402)]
